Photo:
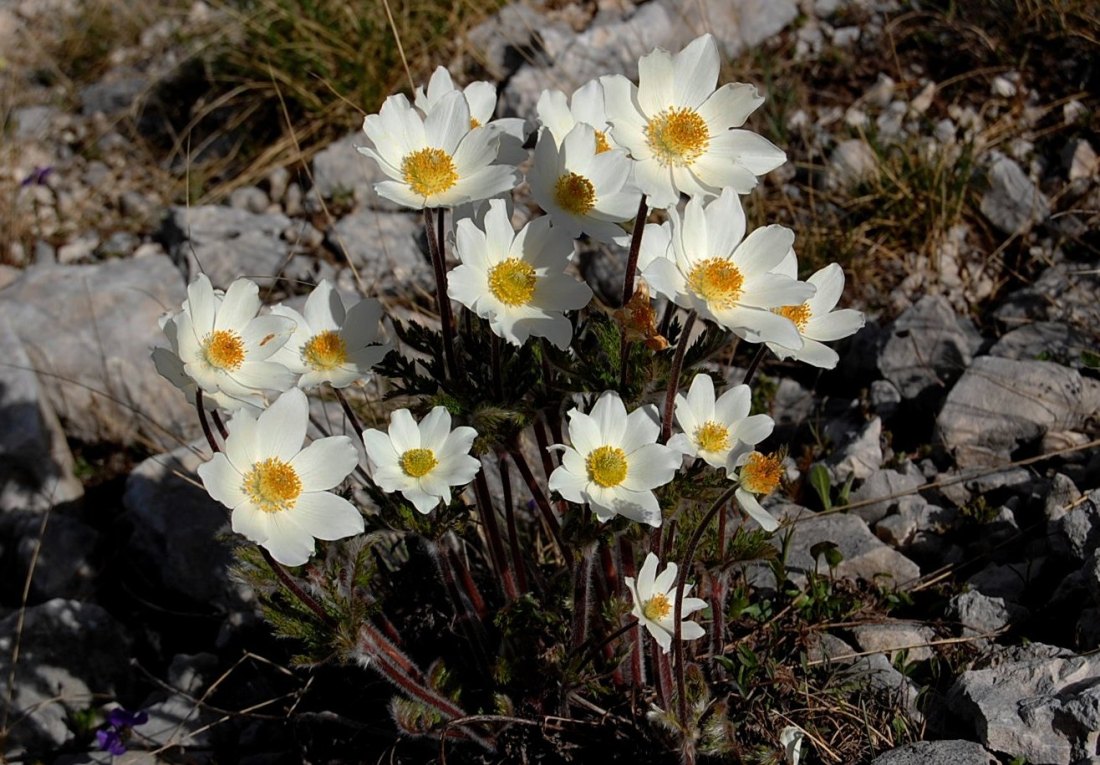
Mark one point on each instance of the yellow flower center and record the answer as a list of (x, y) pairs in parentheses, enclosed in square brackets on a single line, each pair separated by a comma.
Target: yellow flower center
[(418, 462), (512, 281), (272, 485), (761, 473), (223, 349), (657, 607), (717, 281), (325, 350), (602, 144), (474, 123), (606, 466), (712, 436), (575, 194), (429, 171), (799, 314), (677, 136)]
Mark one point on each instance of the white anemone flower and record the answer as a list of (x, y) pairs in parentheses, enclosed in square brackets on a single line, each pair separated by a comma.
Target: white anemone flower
[(224, 347), (679, 128), (435, 160), (654, 598), (582, 189), (716, 429), (481, 98), (332, 344), (615, 462), (709, 265), (278, 491), (422, 461), (757, 474), (560, 115), (517, 281), (816, 320)]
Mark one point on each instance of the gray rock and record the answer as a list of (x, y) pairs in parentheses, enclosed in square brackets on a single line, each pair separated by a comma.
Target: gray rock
[(1044, 341), (1013, 203), (792, 404), (885, 398), (928, 348), (250, 199), (32, 121), (1080, 159), (113, 94), (385, 248), (71, 654), (1035, 704), (226, 243), (740, 25), (1008, 581), (87, 330), (826, 648), (852, 161), (1060, 497), (1002, 404), (913, 518), (343, 175), (865, 557), (277, 181), (888, 485), (859, 452), (982, 614), (178, 529), (82, 248), (36, 466), (1065, 292), (1077, 533), (506, 39), (1017, 479), (937, 753), (877, 673), (893, 637), (119, 245)]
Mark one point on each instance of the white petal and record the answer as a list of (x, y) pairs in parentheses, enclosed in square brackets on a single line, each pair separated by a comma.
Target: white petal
[(751, 506), (829, 282), (753, 152), (287, 543), (609, 413), (379, 448), (325, 463), (695, 72), (240, 304), (404, 433), (281, 429), (250, 522), (651, 466), (835, 325), (434, 428), (568, 484), (730, 106), (326, 516), (223, 481)]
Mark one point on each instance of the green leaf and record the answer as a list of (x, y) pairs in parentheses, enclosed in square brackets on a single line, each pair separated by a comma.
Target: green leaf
[(823, 485)]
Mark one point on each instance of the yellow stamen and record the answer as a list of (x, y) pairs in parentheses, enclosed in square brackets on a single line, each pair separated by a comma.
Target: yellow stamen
[(325, 350), (712, 436), (717, 281), (474, 123), (799, 314), (429, 171), (606, 466), (761, 473), (512, 281), (677, 136), (223, 349), (272, 485), (657, 607), (639, 320), (602, 144), (575, 194), (418, 462)]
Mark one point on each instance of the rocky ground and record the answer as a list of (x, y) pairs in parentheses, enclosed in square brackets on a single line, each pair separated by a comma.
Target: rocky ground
[(963, 418)]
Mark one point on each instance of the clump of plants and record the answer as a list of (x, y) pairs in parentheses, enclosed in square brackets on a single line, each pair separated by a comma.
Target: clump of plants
[(577, 483)]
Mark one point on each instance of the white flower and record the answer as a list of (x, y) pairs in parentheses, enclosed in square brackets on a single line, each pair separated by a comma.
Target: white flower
[(654, 603), (517, 281), (481, 99), (707, 266), (436, 160), (615, 461), (816, 320), (278, 491), (560, 115), (678, 127), (330, 344), (581, 188), (790, 738), (757, 474), (715, 429), (224, 347), (421, 461)]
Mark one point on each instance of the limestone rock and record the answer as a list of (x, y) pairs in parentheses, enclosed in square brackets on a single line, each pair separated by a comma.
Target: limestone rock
[(88, 331), (892, 637), (983, 614), (1013, 203), (928, 348), (226, 243), (1002, 404), (385, 248), (342, 174), (892, 487), (937, 753)]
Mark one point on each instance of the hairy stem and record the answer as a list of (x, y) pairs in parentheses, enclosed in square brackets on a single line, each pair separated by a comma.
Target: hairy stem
[(443, 302), (674, 377)]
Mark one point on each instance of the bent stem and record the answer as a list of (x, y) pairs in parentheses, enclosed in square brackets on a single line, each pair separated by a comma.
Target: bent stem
[(754, 364), (674, 377), (628, 287), (443, 302), (678, 603)]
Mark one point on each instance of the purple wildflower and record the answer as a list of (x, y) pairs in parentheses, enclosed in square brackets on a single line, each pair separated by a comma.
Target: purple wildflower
[(37, 177), (119, 722)]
